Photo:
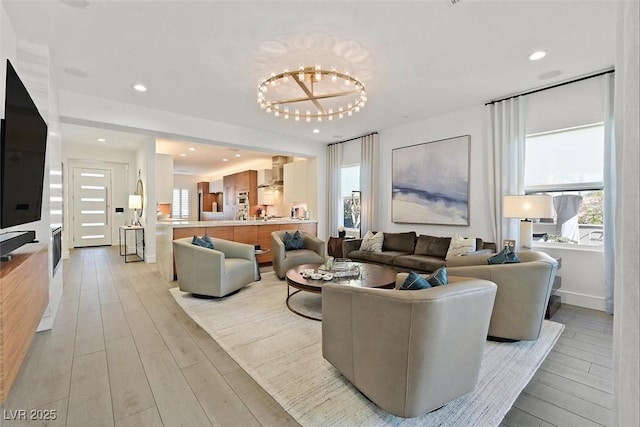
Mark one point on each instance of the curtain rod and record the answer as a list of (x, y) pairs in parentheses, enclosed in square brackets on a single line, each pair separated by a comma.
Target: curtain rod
[(601, 73), (352, 139)]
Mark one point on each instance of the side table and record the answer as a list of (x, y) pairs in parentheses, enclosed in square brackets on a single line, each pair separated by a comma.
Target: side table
[(138, 240), (555, 302), (334, 246)]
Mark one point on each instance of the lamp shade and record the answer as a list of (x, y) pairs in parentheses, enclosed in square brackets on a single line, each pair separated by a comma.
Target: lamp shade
[(135, 201), (527, 206)]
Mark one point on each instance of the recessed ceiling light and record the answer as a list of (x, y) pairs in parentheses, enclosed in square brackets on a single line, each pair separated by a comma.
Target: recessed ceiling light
[(79, 4), (75, 72), (237, 154), (192, 149), (140, 87), (316, 131), (183, 155), (102, 140), (549, 75), (537, 55), (225, 160)]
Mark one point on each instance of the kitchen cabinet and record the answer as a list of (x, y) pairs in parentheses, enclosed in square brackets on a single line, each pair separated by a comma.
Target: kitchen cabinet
[(265, 194), (241, 181), (206, 198), (301, 184)]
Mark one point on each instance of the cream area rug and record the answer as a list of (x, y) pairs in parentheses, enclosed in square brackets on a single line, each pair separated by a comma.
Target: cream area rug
[(282, 352)]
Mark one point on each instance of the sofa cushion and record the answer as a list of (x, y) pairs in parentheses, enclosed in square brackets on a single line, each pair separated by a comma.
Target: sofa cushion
[(418, 262), (402, 242), (432, 246), (386, 257), (505, 256), (415, 281), (460, 246), (292, 242), (198, 241), (372, 242)]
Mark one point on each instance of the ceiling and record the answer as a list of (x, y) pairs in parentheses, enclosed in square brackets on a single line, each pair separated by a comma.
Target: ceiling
[(416, 59)]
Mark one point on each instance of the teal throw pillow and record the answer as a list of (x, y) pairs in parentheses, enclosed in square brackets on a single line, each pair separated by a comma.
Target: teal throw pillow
[(208, 239), (505, 256), (201, 242), (292, 242), (415, 281)]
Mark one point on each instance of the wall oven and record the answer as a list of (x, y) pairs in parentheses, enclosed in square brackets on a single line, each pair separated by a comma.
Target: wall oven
[(243, 198)]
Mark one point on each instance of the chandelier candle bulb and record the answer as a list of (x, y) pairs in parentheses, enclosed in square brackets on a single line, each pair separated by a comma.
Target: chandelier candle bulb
[(306, 87)]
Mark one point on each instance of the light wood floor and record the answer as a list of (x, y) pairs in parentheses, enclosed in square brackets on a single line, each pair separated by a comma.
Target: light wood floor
[(122, 352)]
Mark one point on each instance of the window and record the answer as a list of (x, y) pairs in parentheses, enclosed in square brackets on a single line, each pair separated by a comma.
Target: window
[(568, 164), (350, 193), (180, 205)]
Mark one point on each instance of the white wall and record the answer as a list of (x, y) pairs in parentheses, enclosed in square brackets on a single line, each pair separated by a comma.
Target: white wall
[(32, 64), (121, 163), (464, 122), (146, 167), (582, 269)]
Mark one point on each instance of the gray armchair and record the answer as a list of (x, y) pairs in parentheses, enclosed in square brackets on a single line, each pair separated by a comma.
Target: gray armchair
[(410, 352), (313, 252), (523, 291), (214, 272)]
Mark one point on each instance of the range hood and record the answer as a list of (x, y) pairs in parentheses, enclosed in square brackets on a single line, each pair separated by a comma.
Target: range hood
[(277, 172)]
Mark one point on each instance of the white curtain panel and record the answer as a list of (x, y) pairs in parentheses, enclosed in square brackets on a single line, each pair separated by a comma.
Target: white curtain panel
[(369, 173), (334, 200), (626, 320), (506, 133), (610, 193)]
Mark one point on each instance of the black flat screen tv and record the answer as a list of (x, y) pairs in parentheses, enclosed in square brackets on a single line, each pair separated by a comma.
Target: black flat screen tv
[(22, 155)]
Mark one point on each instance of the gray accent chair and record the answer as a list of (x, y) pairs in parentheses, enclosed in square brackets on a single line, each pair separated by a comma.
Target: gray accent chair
[(523, 291), (214, 272), (313, 252), (410, 352)]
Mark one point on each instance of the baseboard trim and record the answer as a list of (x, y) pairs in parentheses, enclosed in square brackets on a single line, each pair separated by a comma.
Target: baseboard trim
[(582, 300), (150, 259)]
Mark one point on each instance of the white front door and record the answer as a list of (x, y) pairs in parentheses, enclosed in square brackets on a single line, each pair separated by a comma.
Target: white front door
[(91, 203)]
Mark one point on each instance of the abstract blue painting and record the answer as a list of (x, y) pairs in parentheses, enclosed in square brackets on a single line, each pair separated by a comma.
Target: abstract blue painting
[(430, 182)]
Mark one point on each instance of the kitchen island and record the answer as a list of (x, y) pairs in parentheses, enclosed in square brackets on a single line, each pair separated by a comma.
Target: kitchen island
[(253, 232)]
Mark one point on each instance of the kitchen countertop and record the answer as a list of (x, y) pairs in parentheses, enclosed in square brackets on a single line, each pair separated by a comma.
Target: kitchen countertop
[(225, 223)]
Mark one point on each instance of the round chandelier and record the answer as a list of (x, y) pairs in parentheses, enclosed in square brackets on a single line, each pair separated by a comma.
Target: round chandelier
[(311, 93)]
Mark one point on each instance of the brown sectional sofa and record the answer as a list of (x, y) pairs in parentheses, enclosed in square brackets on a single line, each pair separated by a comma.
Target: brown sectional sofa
[(408, 251)]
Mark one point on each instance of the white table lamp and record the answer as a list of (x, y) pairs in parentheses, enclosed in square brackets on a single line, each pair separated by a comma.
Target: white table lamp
[(527, 207), (135, 203)]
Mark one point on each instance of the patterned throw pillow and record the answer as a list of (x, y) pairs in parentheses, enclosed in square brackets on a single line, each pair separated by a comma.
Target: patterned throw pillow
[(292, 242), (415, 281), (460, 246), (201, 242), (207, 239), (372, 242), (505, 256)]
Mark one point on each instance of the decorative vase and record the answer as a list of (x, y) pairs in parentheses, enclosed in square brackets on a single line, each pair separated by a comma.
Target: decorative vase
[(341, 234)]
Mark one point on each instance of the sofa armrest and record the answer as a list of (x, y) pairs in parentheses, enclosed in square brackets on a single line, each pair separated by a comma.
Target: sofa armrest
[(349, 245), (235, 249), (313, 243)]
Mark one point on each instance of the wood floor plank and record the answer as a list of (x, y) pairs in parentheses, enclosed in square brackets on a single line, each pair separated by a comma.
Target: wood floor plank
[(518, 418), (564, 359), (130, 391), (114, 321), (585, 378), (53, 377), (551, 413), (175, 400), (89, 333), (147, 338), (601, 371), (89, 301), (570, 403), (147, 418), (220, 403), (590, 394), (66, 318), (90, 396), (586, 355), (593, 348), (261, 404), (180, 344)]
